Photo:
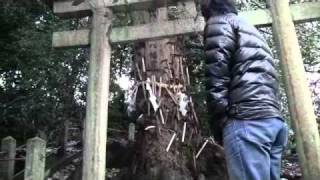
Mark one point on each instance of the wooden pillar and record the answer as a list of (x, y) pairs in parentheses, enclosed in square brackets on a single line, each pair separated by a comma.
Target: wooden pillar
[(36, 157), (298, 92), (8, 146), (98, 91)]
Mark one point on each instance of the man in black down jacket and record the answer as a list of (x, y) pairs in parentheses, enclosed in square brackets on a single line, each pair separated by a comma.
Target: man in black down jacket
[(243, 92)]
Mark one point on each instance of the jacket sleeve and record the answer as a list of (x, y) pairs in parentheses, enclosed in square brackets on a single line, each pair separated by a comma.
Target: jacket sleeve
[(220, 44)]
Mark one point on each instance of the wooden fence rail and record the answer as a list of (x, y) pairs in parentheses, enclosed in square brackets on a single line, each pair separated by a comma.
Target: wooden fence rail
[(36, 157)]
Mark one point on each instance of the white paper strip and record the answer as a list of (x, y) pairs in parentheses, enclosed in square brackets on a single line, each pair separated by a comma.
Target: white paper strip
[(132, 101), (152, 98), (183, 103)]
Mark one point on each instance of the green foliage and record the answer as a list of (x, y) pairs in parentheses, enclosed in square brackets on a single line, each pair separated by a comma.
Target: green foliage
[(41, 87), (38, 83), (196, 65), (309, 39)]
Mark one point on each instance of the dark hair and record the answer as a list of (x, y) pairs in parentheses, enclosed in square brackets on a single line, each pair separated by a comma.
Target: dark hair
[(210, 7)]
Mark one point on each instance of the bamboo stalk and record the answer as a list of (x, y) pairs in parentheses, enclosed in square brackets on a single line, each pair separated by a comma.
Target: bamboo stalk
[(161, 116), (194, 160), (171, 141), (149, 127), (169, 69), (141, 79), (154, 84), (178, 114), (138, 71), (184, 131), (143, 65), (149, 108), (160, 87), (182, 72), (188, 77), (166, 117), (201, 149), (193, 111), (177, 71)]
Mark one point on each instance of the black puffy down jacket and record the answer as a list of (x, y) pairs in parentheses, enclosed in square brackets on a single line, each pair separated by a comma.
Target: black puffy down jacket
[(241, 76)]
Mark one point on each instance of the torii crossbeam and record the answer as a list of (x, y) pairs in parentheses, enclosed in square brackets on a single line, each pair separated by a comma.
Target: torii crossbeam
[(101, 36), (300, 13)]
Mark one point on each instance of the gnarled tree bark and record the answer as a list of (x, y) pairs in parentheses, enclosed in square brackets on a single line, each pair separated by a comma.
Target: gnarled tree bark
[(168, 140)]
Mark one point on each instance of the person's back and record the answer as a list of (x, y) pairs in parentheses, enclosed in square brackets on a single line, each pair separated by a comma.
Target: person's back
[(253, 84), (243, 94)]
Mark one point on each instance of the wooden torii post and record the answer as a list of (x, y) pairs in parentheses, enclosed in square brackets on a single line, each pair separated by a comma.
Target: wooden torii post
[(298, 92), (101, 35)]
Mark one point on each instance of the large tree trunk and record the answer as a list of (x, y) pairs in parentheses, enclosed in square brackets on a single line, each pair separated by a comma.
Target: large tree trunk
[(161, 65)]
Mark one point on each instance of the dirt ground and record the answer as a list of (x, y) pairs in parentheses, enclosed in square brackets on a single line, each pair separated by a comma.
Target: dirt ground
[(290, 168)]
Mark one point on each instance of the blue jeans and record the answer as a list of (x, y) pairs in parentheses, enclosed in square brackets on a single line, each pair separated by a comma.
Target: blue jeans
[(253, 148)]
